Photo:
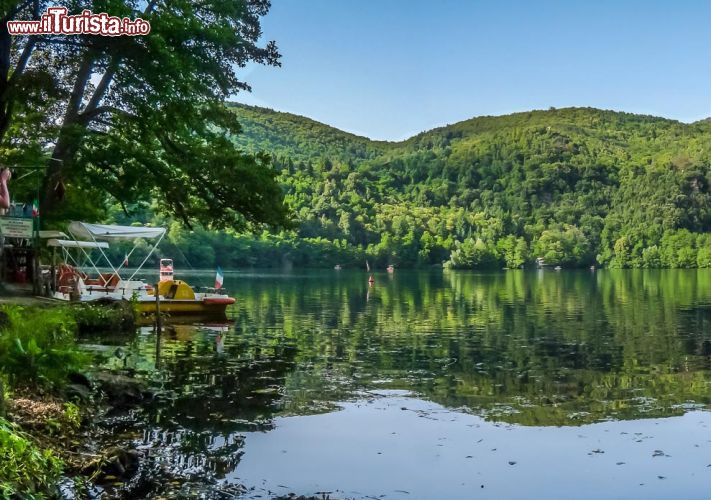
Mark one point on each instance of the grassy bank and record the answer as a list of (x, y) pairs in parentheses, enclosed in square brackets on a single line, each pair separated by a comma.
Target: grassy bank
[(39, 358)]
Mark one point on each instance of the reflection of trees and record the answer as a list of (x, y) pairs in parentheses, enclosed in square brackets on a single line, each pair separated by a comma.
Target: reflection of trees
[(539, 348), (230, 391), (204, 398), (535, 348)]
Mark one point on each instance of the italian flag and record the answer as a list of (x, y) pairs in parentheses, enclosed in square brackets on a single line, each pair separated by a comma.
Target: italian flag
[(219, 278)]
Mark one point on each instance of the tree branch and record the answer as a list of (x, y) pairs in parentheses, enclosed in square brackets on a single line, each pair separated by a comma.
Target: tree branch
[(150, 7), (82, 79), (19, 67), (88, 115), (15, 11), (57, 41), (102, 87)]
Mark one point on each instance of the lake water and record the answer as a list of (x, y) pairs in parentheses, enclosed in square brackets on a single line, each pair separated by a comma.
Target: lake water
[(571, 384)]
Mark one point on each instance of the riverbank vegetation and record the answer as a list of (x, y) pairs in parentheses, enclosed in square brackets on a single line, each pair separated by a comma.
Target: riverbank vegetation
[(25, 469), (37, 354), (37, 346), (41, 376)]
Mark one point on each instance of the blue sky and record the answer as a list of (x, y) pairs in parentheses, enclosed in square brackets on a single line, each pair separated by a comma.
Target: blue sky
[(388, 69)]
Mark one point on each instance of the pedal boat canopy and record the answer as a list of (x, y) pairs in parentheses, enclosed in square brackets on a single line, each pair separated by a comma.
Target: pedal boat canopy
[(76, 244), (96, 233), (107, 232)]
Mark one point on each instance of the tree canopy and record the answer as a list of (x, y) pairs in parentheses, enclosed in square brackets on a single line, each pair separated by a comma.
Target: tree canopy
[(136, 118)]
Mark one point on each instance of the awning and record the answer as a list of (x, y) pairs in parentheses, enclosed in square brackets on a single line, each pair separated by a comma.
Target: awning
[(53, 234), (83, 230), (76, 244)]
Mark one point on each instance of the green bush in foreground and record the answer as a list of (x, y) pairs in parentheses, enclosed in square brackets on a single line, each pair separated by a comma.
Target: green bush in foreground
[(25, 470), (37, 346)]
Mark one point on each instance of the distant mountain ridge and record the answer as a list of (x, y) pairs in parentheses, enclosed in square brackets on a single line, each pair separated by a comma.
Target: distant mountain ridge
[(256, 116)]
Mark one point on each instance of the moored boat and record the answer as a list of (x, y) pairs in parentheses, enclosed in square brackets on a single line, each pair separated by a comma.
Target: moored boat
[(175, 296)]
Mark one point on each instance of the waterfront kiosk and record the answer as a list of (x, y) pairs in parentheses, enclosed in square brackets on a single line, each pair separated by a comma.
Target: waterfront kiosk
[(19, 234)]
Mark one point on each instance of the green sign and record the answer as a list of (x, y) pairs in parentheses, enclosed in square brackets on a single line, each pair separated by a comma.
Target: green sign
[(15, 227)]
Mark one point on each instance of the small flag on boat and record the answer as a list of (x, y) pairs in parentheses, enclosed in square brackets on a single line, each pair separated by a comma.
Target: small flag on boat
[(35, 208), (125, 260), (219, 278)]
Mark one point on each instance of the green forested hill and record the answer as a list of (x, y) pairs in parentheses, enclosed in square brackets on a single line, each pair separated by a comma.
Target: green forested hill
[(304, 139), (576, 186)]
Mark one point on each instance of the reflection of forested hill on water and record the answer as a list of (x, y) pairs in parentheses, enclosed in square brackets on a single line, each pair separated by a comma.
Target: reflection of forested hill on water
[(536, 348)]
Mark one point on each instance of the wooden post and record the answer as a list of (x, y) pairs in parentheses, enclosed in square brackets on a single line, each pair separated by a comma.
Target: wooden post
[(2, 400), (159, 325), (158, 336), (35, 249), (36, 271), (54, 269)]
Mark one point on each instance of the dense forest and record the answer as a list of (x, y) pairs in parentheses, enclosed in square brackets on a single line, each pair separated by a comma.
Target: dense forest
[(575, 186)]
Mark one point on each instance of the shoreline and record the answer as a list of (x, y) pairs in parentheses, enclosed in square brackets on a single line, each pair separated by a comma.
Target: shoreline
[(52, 401), (81, 427)]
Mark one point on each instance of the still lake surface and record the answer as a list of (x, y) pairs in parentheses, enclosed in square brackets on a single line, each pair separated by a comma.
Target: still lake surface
[(518, 384)]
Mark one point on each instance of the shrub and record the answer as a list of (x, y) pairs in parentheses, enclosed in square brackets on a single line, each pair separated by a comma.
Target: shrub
[(37, 346), (117, 316), (25, 470)]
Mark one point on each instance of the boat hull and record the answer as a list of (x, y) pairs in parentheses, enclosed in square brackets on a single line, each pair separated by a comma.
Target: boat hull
[(177, 306), (146, 305)]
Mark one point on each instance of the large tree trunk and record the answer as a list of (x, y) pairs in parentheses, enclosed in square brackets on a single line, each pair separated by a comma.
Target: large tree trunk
[(5, 106), (9, 84), (8, 79), (58, 167), (70, 136)]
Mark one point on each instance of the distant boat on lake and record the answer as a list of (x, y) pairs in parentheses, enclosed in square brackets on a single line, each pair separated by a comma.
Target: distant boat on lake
[(337, 267), (391, 268)]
